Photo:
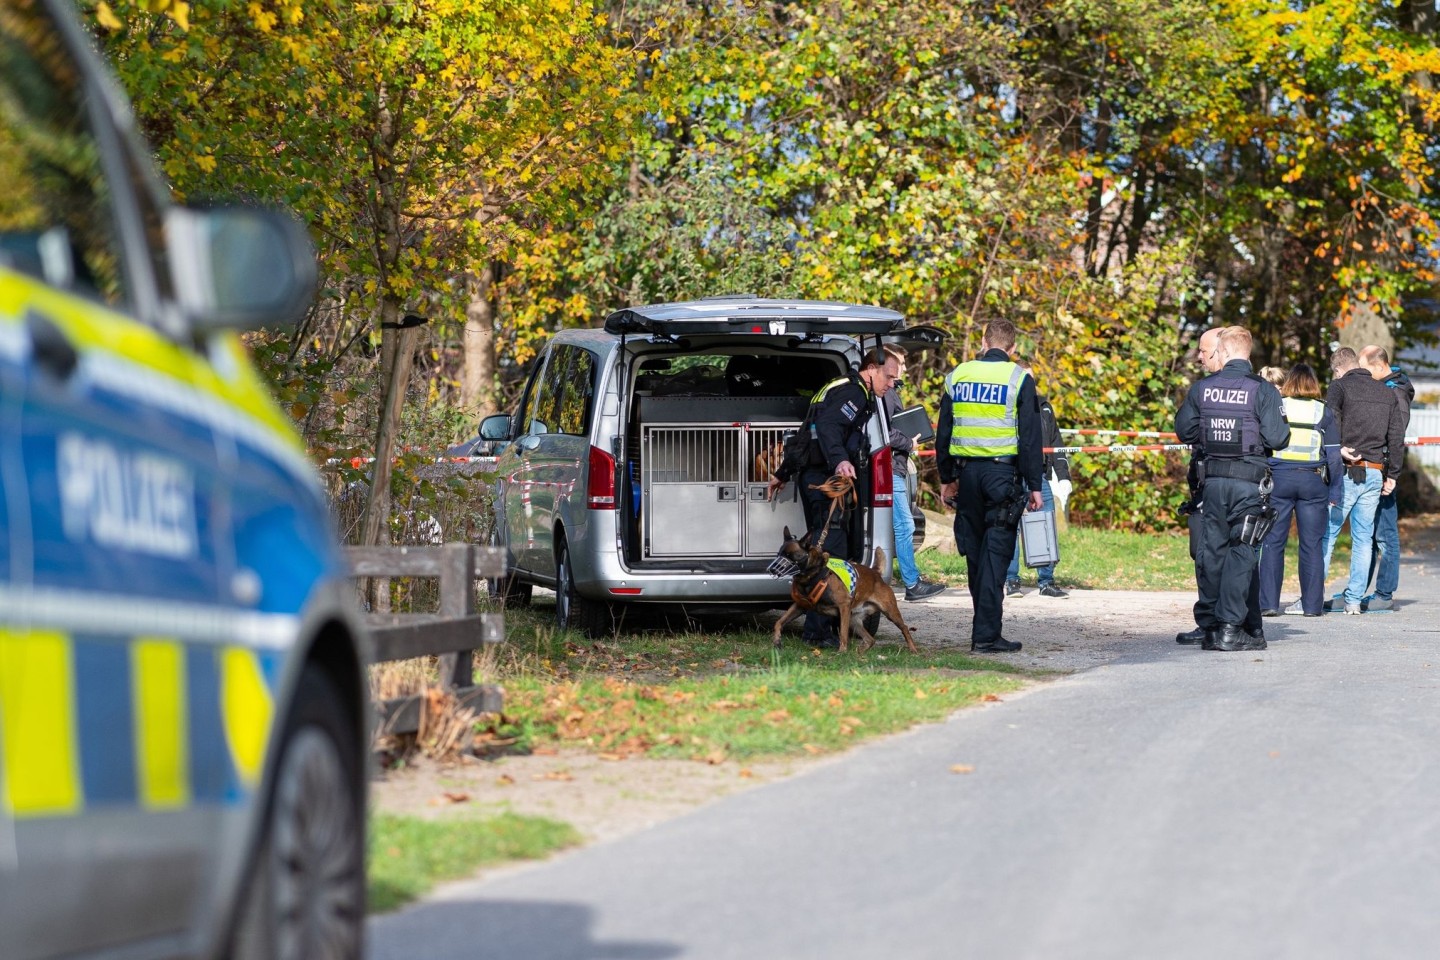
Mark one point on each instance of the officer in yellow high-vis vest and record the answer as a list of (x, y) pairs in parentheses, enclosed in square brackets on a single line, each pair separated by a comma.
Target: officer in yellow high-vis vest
[(1308, 478), (987, 443)]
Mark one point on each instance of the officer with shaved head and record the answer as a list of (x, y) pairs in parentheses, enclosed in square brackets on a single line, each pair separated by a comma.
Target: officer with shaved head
[(1237, 419)]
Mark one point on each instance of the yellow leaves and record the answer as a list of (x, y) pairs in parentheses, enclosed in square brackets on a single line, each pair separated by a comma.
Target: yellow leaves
[(205, 162), (106, 16), (263, 19)]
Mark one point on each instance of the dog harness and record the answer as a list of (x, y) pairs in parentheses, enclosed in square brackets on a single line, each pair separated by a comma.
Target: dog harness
[(845, 572), (808, 594)]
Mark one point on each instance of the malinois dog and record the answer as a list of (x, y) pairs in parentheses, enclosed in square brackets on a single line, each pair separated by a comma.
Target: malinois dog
[(816, 585)]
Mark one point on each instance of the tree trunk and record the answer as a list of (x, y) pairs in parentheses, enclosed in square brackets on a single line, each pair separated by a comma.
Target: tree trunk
[(477, 382), (398, 358), (1367, 325)]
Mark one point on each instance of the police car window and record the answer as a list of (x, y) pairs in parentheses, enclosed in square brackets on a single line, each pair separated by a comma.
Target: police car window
[(56, 221), (577, 393)]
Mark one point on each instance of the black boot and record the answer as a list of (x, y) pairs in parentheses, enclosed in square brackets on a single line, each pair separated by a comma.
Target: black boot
[(998, 645), (1194, 636), (1233, 637), (1211, 635)]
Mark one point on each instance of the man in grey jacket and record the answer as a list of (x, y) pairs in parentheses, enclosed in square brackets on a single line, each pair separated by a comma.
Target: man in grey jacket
[(1370, 423)]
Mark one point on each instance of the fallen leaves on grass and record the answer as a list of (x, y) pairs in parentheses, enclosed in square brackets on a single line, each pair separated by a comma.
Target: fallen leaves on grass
[(559, 775), (449, 797)]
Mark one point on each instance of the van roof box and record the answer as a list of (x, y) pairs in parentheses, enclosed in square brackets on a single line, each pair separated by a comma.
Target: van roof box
[(754, 315)]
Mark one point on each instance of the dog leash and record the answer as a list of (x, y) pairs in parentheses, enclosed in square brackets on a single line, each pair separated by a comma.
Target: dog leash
[(840, 490)]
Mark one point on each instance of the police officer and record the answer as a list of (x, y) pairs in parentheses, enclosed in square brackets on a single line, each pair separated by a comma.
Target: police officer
[(1308, 477), (837, 417), (988, 451), (1237, 419), (1207, 353)]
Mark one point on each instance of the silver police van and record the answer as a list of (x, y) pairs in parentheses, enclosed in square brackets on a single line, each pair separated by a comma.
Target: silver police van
[(634, 469), (181, 707)]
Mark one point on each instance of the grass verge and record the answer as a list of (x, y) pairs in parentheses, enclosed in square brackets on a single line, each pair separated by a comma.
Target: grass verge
[(1119, 560), (409, 855), (804, 704)]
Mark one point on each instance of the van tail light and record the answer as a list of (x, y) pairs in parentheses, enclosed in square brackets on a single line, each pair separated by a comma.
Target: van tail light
[(600, 484), (882, 478)]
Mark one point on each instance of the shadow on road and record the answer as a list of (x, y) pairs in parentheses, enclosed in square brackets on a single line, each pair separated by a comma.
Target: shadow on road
[(479, 929)]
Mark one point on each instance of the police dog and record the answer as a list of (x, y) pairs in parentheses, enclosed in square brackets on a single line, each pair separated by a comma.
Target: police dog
[(767, 461), (814, 586)]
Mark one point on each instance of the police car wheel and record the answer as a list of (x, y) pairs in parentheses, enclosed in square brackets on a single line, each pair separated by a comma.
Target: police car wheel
[(572, 611), (871, 623), (306, 893)]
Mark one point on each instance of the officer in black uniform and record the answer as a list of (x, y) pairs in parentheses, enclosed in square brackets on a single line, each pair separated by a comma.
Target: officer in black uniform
[(1207, 353), (987, 444), (837, 417), (1237, 419)]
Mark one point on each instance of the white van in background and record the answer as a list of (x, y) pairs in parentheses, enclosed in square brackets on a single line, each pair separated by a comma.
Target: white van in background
[(633, 470)]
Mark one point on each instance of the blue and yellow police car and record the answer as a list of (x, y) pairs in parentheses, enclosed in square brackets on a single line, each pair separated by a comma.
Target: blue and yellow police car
[(181, 705)]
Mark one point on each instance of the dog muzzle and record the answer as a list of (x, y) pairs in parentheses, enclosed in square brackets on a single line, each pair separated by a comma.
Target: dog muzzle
[(782, 568)]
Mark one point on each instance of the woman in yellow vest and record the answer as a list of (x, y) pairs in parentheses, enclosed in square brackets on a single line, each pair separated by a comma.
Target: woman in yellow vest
[(1307, 476)]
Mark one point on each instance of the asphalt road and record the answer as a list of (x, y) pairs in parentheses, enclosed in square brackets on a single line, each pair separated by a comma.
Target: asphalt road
[(1172, 804)]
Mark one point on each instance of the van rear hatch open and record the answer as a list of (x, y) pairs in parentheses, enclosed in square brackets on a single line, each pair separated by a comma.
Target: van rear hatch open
[(749, 315)]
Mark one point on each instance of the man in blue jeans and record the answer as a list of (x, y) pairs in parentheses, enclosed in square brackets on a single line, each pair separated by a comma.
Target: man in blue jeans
[(1056, 465), (1369, 416), (1385, 568), (917, 588)]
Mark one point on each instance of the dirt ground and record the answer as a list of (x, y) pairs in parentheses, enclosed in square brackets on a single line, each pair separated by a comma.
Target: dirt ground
[(604, 799)]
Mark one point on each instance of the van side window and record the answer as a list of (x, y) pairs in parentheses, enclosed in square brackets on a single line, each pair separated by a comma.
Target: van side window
[(577, 395), (546, 418), (56, 219)]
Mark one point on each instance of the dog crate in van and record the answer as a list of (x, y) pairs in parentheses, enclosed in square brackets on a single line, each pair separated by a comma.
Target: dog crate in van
[(704, 467)]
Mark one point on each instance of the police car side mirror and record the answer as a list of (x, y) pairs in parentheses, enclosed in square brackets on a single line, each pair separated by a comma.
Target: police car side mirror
[(240, 268)]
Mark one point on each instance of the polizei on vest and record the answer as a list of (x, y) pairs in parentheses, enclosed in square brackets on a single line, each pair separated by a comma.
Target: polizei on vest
[(970, 392), (1221, 395)]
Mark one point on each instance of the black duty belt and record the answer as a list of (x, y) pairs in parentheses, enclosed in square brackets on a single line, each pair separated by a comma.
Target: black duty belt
[(964, 460), (1235, 470)]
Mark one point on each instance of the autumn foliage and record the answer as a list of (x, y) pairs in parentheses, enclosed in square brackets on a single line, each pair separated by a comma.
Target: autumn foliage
[(1113, 176)]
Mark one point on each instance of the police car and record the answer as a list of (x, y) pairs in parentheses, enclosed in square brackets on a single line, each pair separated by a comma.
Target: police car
[(181, 705)]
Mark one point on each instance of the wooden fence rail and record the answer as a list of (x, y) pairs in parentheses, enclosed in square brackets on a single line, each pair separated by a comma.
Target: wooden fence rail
[(453, 633)]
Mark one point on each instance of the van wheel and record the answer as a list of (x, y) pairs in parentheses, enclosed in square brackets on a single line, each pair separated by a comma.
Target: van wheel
[(508, 589), (572, 611), (872, 622), (305, 895)]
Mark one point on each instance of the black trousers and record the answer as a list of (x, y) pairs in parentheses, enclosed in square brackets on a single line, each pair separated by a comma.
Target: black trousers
[(836, 543), (1197, 532), (1227, 570), (987, 541)]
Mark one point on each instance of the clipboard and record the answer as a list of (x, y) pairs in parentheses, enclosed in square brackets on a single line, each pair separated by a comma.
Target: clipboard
[(914, 422)]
